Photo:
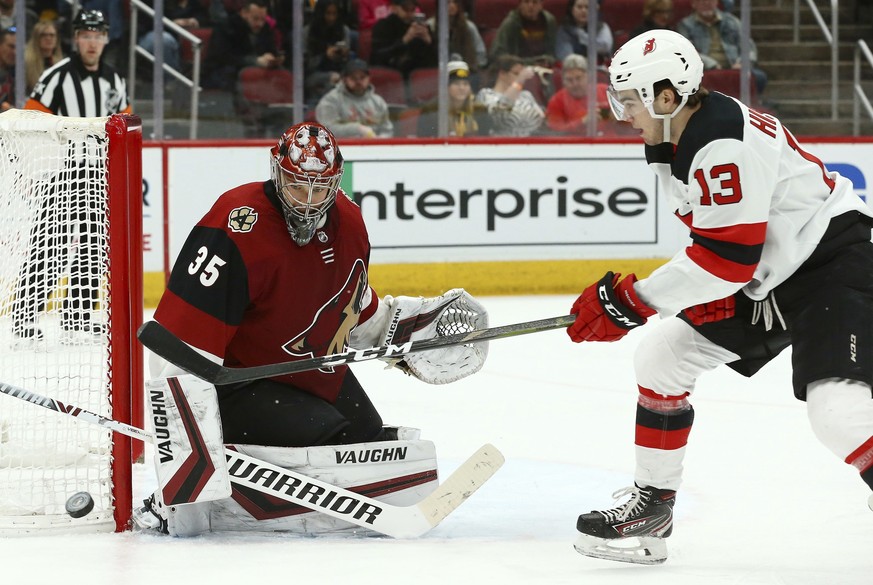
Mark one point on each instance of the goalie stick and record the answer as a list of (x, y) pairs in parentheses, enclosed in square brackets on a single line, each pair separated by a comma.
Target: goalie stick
[(395, 521), (161, 341)]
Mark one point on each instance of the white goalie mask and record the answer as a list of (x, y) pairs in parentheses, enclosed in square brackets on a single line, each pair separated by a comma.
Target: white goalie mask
[(645, 60), (306, 167)]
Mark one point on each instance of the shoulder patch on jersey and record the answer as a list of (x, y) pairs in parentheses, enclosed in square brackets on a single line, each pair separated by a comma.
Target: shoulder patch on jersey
[(113, 100), (242, 219)]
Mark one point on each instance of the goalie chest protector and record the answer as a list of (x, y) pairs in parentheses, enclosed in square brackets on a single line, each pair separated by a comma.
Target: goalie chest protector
[(242, 290)]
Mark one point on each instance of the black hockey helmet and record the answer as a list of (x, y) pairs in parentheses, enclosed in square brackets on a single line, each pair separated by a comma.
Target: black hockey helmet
[(90, 20)]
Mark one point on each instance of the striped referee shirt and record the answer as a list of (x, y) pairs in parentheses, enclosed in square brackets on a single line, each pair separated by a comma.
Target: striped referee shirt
[(68, 89)]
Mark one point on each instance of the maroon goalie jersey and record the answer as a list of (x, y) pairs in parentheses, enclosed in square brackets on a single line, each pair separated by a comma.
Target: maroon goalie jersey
[(242, 290)]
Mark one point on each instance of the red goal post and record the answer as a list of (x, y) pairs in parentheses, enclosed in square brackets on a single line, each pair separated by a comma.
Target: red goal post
[(70, 305)]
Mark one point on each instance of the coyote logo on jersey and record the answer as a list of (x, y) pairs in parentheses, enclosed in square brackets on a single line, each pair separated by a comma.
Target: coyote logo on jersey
[(242, 219), (334, 321)]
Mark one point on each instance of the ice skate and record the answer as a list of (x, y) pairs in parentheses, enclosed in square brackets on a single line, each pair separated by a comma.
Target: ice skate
[(148, 517), (632, 532)]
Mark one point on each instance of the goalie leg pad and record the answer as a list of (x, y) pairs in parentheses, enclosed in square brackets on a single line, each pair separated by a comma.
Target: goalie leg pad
[(189, 452), (454, 312), (401, 472)]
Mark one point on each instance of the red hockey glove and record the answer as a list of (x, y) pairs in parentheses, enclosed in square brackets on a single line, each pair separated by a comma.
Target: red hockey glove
[(712, 311), (608, 309)]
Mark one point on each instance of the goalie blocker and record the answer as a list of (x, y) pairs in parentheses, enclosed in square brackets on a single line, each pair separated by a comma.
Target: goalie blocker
[(194, 494)]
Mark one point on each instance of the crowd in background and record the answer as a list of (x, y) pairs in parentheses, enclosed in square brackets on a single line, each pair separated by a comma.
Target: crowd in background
[(517, 67)]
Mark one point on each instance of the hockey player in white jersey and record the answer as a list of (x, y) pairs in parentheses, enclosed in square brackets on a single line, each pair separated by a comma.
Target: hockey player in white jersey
[(780, 255)]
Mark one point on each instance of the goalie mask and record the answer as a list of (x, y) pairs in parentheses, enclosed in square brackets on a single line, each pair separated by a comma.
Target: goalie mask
[(306, 167), (645, 60)]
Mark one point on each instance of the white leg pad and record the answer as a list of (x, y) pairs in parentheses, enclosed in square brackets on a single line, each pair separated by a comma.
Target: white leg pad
[(400, 473), (189, 452)]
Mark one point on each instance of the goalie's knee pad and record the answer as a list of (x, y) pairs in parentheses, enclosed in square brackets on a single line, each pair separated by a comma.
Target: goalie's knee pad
[(188, 447), (400, 472)]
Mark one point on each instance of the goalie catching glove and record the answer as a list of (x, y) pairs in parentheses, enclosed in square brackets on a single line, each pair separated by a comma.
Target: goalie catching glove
[(608, 309), (417, 318)]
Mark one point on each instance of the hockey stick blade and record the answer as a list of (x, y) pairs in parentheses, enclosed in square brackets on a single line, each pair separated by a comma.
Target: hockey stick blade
[(285, 484), (161, 341)]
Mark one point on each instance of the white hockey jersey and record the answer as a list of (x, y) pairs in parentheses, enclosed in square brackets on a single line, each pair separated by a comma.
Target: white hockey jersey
[(756, 202)]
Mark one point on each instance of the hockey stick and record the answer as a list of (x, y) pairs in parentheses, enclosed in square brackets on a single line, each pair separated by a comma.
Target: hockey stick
[(314, 494), (158, 339)]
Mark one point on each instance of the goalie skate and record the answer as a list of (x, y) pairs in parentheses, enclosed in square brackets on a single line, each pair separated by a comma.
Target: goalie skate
[(633, 532)]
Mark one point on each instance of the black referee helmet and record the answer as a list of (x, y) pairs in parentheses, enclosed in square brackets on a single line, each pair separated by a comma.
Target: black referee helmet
[(90, 20)]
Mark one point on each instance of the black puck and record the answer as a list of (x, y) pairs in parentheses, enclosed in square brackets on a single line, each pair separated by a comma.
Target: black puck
[(79, 504)]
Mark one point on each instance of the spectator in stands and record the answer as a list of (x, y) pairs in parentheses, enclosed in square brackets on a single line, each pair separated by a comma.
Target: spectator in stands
[(244, 40), (7, 69), (572, 37), (513, 110), (281, 18), (464, 37), (528, 32), (43, 50), (656, 15), (353, 109), (716, 36), (7, 15), (372, 11), (402, 40), (466, 116), (567, 111), (189, 14), (328, 45)]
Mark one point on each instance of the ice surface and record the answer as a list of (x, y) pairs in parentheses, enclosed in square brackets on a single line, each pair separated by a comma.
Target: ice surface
[(763, 502)]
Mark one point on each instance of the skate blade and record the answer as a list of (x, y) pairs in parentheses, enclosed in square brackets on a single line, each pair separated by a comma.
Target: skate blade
[(638, 550)]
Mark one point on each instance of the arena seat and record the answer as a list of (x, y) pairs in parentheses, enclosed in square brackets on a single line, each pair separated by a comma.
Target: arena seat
[(265, 100), (727, 81), (389, 84), (490, 13), (365, 44), (423, 85)]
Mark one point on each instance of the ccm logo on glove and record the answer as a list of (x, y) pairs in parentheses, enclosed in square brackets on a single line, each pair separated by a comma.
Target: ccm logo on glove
[(608, 309)]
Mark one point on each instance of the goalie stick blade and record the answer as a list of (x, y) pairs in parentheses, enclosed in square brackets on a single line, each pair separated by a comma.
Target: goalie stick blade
[(161, 341), (462, 484), (395, 521)]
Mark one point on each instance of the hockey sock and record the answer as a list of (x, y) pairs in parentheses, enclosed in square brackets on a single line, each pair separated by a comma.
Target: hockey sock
[(663, 424)]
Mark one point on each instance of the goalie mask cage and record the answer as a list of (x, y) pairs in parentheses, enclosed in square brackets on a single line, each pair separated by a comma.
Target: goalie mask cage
[(70, 304)]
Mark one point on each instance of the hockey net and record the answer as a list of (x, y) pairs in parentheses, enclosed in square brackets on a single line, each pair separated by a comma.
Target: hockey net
[(70, 303)]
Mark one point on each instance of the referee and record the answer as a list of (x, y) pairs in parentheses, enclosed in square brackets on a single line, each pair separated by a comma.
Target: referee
[(70, 212), (81, 85)]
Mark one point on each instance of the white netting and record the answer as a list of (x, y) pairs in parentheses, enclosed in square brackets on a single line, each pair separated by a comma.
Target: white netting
[(54, 317)]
